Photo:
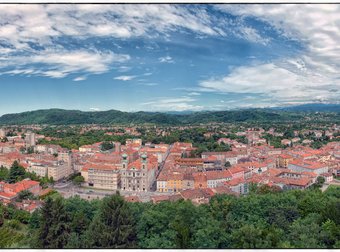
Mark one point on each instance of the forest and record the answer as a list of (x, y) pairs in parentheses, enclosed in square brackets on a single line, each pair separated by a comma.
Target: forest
[(73, 117), (263, 219)]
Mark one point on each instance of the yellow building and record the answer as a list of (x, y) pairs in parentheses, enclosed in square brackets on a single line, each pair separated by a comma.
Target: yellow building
[(175, 181), (283, 161)]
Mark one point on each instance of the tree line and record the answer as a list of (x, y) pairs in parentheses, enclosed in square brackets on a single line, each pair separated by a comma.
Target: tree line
[(263, 219)]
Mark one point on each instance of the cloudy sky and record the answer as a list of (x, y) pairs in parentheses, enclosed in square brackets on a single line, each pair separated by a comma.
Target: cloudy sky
[(167, 57)]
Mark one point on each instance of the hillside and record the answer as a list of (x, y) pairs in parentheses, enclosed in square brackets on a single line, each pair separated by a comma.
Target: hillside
[(61, 117), (312, 107)]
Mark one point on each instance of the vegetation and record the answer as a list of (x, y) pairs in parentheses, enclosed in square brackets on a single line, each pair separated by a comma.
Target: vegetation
[(63, 117), (78, 180), (266, 218)]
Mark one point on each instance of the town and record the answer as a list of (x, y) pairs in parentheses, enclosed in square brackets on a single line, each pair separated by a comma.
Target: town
[(146, 171)]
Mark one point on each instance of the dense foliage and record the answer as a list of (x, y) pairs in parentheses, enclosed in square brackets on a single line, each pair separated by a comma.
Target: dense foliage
[(266, 218), (64, 117)]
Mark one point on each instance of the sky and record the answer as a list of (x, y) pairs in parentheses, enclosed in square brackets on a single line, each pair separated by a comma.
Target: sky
[(167, 57)]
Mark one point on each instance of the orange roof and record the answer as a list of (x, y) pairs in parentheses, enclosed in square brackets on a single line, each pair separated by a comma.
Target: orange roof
[(212, 175), (236, 169), (197, 193), (21, 185), (235, 182), (99, 166), (307, 164)]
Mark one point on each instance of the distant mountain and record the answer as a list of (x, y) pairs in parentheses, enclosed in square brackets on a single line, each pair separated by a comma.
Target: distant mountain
[(312, 107), (67, 117), (60, 116)]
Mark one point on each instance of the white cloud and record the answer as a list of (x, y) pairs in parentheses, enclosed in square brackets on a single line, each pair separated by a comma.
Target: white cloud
[(166, 59), (194, 94), (311, 76), (80, 78), (33, 30), (123, 69), (172, 104), (60, 63), (125, 77), (94, 109)]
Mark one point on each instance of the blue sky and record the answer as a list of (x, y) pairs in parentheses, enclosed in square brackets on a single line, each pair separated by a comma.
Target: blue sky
[(167, 57)]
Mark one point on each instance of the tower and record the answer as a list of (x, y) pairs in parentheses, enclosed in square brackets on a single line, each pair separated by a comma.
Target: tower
[(125, 161)]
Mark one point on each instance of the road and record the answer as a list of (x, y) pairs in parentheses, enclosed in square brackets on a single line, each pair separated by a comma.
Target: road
[(161, 166), (326, 185)]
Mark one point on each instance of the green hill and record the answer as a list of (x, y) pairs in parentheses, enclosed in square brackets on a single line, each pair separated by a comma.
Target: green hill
[(67, 117)]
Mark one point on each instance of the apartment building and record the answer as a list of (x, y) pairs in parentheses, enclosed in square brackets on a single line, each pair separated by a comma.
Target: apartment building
[(102, 176), (59, 171)]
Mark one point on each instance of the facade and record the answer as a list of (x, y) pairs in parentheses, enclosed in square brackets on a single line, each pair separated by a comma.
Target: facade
[(30, 139), (216, 178), (60, 171), (138, 175), (2, 132), (103, 177), (162, 185), (39, 169), (283, 161)]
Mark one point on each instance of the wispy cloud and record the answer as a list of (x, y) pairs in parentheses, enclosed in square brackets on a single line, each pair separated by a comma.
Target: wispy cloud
[(125, 77), (80, 78), (194, 94), (60, 63), (172, 104), (311, 76), (166, 59)]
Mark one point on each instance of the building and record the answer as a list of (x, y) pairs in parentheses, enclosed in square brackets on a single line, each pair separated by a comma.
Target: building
[(283, 160), (8, 192), (175, 181), (39, 169), (102, 176), (30, 139), (216, 178), (138, 175), (298, 165), (2, 132), (59, 171)]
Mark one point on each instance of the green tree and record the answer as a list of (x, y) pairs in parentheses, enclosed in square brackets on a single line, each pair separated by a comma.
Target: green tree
[(319, 181), (2, 217), (305, 232), (4, 173), (16, 173), (227, 164), (330, 233), (25, 194), (106, 146), (78, 180), (113, 226), (54, 228)]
